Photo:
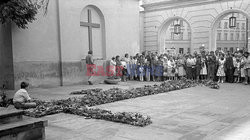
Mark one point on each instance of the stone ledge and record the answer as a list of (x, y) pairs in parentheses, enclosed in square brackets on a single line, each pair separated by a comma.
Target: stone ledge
[(7, 116), (21, 126)]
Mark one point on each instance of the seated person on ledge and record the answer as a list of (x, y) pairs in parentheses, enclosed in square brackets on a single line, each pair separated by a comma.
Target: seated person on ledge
[(22, 99)]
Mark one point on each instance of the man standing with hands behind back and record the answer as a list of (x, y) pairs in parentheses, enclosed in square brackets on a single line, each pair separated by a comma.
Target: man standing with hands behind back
[(90, 66)]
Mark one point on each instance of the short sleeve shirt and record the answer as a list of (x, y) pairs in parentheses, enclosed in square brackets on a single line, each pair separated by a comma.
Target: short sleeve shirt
[(21, 96)]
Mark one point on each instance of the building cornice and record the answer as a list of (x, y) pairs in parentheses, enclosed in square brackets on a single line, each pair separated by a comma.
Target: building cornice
[(164, 5)]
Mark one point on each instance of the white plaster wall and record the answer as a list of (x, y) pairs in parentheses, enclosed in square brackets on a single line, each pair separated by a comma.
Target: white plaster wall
[(201, 18), (40, 41), (121, 24)]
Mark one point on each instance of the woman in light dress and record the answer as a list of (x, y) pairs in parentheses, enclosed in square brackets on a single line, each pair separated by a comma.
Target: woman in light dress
[(180, 66), (221, 70), (112, 69), (203, 71), (171, 68)]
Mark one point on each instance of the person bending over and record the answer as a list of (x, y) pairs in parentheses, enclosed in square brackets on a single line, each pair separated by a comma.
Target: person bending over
[(22, 99)]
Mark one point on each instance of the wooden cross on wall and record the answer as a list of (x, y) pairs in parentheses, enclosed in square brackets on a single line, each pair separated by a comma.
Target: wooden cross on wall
[(90, 25)]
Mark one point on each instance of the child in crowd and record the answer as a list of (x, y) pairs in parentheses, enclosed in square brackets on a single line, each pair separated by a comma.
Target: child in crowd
[(140, 64), (237, 71)]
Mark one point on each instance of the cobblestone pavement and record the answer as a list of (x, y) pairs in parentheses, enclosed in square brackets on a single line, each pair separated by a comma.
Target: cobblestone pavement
[(189, 114)]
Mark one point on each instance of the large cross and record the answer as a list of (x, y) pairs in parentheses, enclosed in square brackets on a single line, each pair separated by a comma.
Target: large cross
[(90, 25)]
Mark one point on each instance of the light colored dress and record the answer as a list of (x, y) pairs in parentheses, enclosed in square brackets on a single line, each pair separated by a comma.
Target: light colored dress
[(165, 68), (203, 67), (170, 67), (237, 69), (127, 60), (181, 70), (112, 67), (221, 70), (243, 67)]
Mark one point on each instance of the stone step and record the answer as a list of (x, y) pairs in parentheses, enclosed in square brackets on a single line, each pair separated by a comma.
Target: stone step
[(8, 116), (27, 129)]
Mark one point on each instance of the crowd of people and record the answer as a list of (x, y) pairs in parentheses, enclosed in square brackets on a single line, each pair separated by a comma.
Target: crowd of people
[(217, 66)]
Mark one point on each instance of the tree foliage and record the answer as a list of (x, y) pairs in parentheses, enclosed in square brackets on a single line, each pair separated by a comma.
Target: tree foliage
[(21, 12)]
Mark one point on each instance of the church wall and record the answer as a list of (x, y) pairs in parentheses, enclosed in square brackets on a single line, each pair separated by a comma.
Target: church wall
[(121, 31), (200, 17), (46, 56), (35, 51)]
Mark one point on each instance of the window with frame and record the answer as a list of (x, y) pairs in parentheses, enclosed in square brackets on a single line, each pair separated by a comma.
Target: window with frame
[(243, 27), (238, 25), (225, 25), (172, 35), (225, 36), (231, 36), (237, 36), (218, 36), (219, 25), (176, 37), (243, 36)]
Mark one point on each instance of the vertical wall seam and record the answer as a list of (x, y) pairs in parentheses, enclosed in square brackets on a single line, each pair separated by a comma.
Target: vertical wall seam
[(59, 43)]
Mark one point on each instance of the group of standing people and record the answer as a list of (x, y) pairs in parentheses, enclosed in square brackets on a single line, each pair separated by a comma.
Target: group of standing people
[(217, 66)]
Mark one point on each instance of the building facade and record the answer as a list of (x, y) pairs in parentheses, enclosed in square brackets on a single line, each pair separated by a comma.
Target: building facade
[(229, 39), (202, 17), (52, 50)]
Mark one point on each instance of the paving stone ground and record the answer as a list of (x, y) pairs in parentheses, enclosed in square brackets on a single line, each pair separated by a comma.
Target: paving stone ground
[(189, 114)]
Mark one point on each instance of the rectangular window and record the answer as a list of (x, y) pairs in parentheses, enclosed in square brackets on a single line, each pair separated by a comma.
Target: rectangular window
[(238, 25), (172, 35), (232, 36), (219, 24), (176, 37), (243, 26), (181, 36), (237, 36), (243, 36), (225, 36), (218, 36), (225, 25)]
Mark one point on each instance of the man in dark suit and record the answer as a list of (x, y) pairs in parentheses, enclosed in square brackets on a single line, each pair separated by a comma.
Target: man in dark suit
[(90, 66), (229, 68)]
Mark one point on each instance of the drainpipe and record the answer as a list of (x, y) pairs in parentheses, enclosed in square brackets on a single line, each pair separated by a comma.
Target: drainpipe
[(247, 34)]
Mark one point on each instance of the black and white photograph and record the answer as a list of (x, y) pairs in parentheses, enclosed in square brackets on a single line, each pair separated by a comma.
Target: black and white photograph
[(124, 69)]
